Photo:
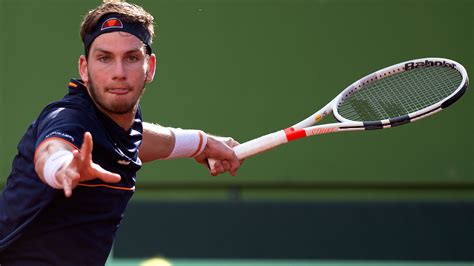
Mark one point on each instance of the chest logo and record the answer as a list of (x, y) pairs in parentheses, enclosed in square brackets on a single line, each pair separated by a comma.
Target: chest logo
[(123, 162)]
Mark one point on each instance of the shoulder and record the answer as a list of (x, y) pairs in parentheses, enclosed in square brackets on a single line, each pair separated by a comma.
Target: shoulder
[(66, 113), (67, 119)]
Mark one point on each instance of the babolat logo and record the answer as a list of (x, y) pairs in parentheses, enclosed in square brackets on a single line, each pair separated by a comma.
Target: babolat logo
[(428, 63)]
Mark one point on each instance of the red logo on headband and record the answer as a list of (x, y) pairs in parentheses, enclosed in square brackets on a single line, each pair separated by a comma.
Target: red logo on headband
[(112, 23)]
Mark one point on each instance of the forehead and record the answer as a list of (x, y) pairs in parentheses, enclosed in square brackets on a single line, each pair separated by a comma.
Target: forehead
[(116, 42)]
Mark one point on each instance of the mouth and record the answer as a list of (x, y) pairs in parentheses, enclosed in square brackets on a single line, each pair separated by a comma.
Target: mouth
[(118, 91)]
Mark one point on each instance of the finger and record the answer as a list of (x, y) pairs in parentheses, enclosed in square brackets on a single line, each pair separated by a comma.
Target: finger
[(67, 187), (72, 175), (234, 143), (217, 168), (226, 165), (234, 166), (72, 171), (86, 148), (76, 159), (105, 175), (70, 179)]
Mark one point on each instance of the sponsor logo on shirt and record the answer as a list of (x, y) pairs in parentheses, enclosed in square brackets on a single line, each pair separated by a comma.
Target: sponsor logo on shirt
[(123, 162), (58, 133)]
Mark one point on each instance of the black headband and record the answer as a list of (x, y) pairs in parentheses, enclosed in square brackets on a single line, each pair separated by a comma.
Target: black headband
[(113, 22)]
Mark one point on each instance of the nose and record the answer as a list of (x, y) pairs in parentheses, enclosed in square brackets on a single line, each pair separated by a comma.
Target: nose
[(119, 72)]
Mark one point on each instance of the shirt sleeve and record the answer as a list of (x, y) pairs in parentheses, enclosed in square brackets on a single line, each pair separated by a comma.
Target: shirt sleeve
[(64, 123)]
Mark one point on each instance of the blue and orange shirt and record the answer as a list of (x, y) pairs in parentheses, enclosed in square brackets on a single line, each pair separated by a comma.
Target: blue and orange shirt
[(38, 224)]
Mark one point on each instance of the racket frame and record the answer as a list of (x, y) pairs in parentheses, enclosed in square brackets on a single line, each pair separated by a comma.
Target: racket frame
[(305, 127)]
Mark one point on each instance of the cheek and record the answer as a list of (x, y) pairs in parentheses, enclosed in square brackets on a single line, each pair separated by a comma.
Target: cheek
[(137, 74), (98, 76)]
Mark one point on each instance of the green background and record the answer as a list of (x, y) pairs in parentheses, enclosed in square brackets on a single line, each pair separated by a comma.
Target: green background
[(245, 68)]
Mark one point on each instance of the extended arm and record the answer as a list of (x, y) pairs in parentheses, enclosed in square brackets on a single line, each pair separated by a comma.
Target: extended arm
[(60, 165)]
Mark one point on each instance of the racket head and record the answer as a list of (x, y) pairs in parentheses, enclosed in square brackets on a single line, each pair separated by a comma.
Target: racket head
[(402, 93)]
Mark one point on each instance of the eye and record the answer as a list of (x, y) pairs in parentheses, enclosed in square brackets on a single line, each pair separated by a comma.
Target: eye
[(132, 58), (104, 59)]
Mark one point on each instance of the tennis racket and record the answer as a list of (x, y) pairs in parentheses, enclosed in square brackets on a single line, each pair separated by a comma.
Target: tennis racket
[(393, 96)]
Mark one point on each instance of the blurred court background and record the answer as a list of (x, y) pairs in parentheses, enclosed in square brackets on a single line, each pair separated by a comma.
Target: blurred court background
[(244, 68)]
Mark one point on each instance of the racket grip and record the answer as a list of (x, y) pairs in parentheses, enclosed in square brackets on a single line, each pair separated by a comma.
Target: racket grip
[(256, 146), (260, 144)]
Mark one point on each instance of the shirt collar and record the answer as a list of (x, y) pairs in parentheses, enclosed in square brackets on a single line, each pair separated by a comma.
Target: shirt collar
[(76, 84)]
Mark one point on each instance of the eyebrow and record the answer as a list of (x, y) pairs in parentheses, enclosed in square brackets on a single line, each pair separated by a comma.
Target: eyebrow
[(98, 50)]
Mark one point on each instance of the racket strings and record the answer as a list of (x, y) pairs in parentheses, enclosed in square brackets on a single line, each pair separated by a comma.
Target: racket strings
[(400, 94)]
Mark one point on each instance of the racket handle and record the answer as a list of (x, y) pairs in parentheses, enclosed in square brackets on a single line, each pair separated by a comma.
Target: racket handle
[(260, 144), (256, 146)]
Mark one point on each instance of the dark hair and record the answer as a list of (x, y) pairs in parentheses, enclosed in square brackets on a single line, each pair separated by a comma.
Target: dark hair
[(130, 13)]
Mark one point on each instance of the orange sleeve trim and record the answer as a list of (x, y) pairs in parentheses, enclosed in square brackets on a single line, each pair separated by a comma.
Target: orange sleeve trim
[(107, 186), (49, 139)]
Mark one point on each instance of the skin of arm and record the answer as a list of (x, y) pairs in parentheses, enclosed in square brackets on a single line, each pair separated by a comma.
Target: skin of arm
[(158, 143), (80, 168)]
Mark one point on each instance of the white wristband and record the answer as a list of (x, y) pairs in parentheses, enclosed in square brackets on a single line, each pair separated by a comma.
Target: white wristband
[(52, 165), (188, 143)]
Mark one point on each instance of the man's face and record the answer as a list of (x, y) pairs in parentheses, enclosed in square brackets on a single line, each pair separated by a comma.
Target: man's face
[(116, 72)]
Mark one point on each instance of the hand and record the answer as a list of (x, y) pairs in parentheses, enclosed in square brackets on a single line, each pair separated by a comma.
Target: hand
[(81, 168), (220, 149)]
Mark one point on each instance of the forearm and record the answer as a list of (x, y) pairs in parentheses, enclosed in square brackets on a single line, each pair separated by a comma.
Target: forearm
[(170, 143), (157, 143), (167, 143), (44, 152)]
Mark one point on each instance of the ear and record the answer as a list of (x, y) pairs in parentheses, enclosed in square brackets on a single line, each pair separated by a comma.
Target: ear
[(83, 68), (151, 68)]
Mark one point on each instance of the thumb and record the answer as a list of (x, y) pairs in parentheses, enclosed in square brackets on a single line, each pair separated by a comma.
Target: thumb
[(105, 175)]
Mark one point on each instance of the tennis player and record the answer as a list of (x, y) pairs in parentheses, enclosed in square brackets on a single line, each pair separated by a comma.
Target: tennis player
[(76, 165)]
